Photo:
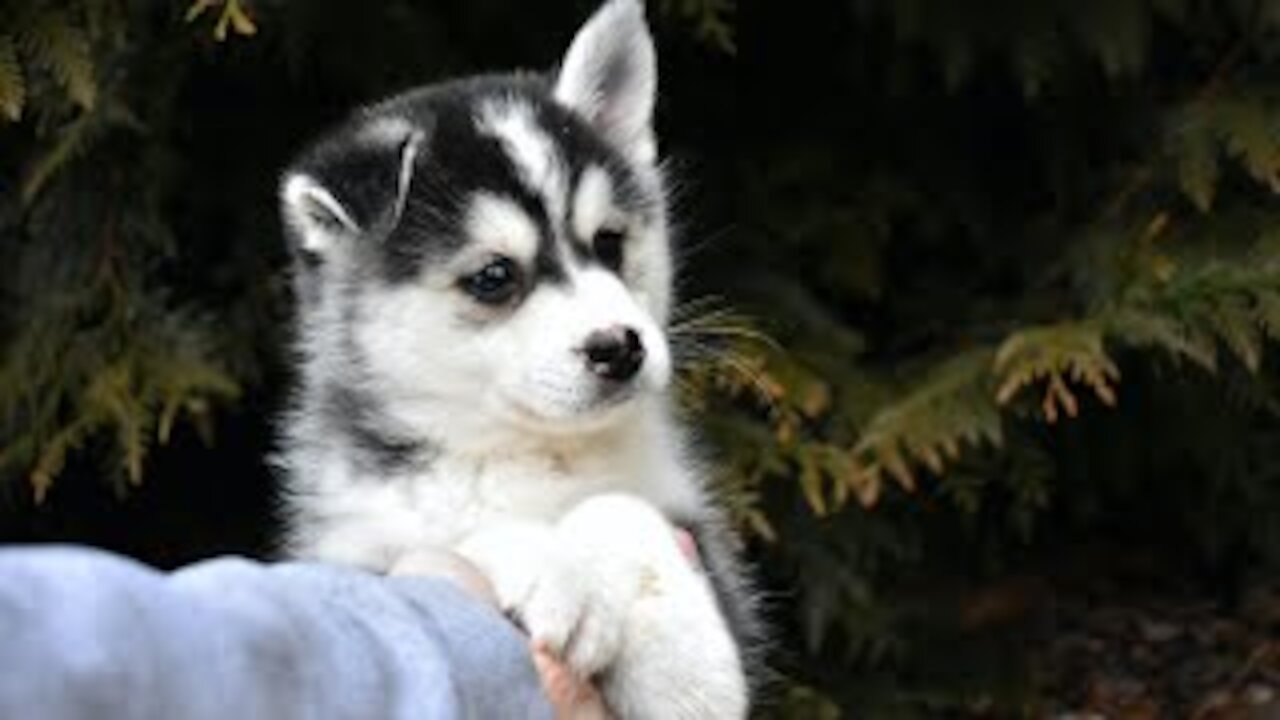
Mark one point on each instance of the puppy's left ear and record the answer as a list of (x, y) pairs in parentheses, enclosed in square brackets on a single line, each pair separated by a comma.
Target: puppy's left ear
[(350, 188), (610, 77)]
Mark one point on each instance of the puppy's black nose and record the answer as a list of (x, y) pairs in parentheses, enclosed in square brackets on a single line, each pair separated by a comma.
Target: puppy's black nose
[(614, 354)]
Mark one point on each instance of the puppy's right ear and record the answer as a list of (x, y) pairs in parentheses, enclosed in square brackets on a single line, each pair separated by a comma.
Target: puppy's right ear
[(350, 187)]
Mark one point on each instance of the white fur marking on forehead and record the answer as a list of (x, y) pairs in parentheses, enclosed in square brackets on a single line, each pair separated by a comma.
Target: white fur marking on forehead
[(502, 226), (391, 130), (386, 130), (592, 202), (533, 153)]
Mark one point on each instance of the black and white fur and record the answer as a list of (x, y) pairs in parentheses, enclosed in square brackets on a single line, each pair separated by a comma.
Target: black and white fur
[(483, 272)]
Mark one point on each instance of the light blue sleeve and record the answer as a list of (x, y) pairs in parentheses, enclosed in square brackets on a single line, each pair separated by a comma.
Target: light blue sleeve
[(86, 634)]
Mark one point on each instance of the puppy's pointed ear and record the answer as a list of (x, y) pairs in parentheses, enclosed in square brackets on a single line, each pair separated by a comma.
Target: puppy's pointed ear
[(350, 186), (610, 77)]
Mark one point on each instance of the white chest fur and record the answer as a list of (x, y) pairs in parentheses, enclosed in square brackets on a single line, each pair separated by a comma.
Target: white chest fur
[(346, 515)]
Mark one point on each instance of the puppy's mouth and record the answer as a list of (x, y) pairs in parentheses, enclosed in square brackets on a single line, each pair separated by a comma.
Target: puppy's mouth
[(604, 406), (609, 394)]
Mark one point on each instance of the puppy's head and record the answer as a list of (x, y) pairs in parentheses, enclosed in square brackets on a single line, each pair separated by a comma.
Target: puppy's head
[(494, 251)]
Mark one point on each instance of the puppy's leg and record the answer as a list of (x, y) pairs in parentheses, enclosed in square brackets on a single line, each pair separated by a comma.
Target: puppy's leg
[(719, 551), (512, 555), (624, 604)]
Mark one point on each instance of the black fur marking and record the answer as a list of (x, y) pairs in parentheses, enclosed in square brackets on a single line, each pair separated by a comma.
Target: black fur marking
[(460, 161), (547, 265), (718, 551), (456, 159), (362, 175), (582, 147), (383, 454), (581, 252)]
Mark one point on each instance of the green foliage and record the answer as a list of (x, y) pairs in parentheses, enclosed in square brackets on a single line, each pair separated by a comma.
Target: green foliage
[(973, 297), (1058, 354), (712, 19), (100, 360), (13, 86), (947, 408), (46, 43), (231, 15)]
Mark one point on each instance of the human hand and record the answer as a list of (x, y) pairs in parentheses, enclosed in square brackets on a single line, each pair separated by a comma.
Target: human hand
[(572, 697)]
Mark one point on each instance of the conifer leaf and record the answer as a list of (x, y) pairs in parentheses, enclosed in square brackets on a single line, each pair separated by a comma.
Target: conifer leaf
[(13, 86), (1252, 134), (1268, 312), (240, 20), (1197, 155), (1239, 330), (759, 524), (70, 141), (198, 8), (712, 20), (1034, 57), (1116, 31), (63, 49), (53, 457), (232, 16), (811, 484), (1141, 327), (1054, 354)]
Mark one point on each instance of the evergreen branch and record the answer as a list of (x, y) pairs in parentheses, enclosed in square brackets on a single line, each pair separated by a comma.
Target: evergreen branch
[(950, 406), (1232, 303)]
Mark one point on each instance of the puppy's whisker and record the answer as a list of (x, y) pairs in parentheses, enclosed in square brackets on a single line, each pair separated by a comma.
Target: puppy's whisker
[(699, 314), (691, 249), (693, 307), (731, 331), (716, 323)]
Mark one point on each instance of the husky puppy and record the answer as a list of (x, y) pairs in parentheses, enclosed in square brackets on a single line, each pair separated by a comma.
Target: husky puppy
[(483, 274)]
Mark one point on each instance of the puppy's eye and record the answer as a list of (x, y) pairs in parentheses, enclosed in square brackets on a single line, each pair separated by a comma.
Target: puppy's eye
[(607, 245), (495, 283)]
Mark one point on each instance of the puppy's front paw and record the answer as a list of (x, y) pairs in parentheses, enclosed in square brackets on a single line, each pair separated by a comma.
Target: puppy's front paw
[(576, 612), (610, 593), (544, 578), (610, 551), (651, 626), (678, 662)]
